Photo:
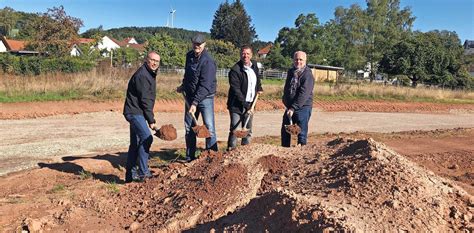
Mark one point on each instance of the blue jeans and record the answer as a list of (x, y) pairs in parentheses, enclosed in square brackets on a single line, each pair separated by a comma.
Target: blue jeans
[(237, 121), (139, 149), (301, 118), (206, 107)]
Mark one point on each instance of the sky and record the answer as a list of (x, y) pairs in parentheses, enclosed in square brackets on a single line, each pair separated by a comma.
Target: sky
[(268, 16)]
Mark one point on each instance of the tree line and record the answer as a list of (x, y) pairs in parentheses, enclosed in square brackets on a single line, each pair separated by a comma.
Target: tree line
[(377, 39)]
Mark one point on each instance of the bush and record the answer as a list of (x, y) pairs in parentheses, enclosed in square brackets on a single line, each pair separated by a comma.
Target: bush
[(23, 65)]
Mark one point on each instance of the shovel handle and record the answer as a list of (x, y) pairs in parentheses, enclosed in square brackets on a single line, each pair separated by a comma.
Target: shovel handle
[(290, 118), (253, 104), (187, 106)]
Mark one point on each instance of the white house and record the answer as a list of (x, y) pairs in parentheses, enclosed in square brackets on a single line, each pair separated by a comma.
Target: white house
[(108, 44), (130, 40)]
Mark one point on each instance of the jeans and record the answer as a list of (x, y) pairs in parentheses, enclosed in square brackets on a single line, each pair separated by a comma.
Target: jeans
[(139, 149), (237, 121), (301, 118), (206, 107)]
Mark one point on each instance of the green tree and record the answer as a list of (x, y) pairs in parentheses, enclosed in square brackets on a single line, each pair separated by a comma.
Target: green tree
[(276, 60), (224, 53), (54, 32), (384, 25), (171, 52), (304, 36), (434, 58), (232, 23)]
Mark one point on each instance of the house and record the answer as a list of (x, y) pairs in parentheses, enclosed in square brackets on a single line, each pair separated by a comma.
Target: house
[(108, 44), (75, 50), (8, 45), (15, 47), (468, 47), (323, 73), (263, 52), (130, 40)]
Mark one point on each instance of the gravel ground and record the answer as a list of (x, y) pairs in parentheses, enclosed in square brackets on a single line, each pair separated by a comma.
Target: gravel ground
[(25, 142)]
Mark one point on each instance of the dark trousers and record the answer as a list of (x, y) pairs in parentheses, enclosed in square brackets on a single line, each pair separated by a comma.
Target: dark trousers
[(237, 121), (139, 149), (301, 118)]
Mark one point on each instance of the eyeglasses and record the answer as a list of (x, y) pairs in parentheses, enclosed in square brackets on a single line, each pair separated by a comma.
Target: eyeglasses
[(154, 60)]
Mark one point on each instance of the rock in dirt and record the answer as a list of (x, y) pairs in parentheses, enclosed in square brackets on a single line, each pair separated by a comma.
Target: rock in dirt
[(134, 226)]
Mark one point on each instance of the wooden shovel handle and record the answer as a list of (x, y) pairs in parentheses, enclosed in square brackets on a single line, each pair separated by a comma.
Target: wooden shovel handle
[(254, 102), (187, 106)]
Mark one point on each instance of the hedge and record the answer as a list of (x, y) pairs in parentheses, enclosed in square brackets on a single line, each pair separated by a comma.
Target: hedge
[(35, 65)]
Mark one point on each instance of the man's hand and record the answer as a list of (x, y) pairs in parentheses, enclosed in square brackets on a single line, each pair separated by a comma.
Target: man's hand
[(289, 113), (152, 126), (192, 109), (179, 89)]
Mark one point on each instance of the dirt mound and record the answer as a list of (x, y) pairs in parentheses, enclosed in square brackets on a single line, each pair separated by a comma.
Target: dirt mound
[(342, 185)]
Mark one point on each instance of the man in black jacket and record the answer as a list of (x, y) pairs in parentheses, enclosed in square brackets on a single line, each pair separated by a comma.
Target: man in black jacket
[(138, 111), (297, 98), (199, 85), (245, 83)]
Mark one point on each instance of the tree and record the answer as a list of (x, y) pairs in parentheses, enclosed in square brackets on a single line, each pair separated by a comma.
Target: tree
[(276, 60), (384, 25), (171, 53), (54, 32), (231, 23), (225, 53), (433, 57)]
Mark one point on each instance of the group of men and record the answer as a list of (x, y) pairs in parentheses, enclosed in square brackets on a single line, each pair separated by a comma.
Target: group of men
[(199, 88)]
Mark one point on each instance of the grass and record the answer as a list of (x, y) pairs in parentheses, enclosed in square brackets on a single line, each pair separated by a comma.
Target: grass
[(112, 83), (58, 188), (112, 187), (84, 175)]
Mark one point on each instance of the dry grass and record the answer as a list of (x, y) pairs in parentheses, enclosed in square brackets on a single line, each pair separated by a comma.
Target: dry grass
[(112, 83), (376, 91)]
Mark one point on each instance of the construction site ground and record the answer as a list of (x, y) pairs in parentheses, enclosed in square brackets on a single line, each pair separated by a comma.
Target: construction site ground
[(368, 166)]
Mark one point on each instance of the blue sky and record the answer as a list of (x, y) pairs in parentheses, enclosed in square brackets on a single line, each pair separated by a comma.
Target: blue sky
[(268, 16)]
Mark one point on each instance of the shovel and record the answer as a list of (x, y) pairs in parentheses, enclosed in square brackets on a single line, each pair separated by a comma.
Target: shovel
[(200, 130), (292, 129), (243, 132)]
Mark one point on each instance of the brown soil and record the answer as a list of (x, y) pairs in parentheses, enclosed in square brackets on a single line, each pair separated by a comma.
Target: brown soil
[(201, 131), (293, 129), (167, 132), (42, 109), (334, 183), (241, 133), (414, 181)]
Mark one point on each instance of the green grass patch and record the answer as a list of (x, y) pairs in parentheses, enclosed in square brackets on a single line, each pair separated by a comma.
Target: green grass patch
[(41, 96), (84, 175), (58, 188), (112, 187)]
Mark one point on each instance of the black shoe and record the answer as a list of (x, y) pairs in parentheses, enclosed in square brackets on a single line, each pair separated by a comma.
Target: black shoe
[(189, 159)]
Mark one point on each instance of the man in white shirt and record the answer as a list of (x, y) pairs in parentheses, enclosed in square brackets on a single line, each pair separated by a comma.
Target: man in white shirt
[(244, 83)]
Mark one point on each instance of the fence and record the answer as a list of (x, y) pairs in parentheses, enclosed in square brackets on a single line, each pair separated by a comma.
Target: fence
[(222, 73)]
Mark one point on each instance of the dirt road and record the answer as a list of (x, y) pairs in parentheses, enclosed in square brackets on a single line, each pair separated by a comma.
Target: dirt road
[(25, 142)]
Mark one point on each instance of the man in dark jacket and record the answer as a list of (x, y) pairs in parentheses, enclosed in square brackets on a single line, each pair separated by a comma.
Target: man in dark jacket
[(199, 86), (138, 111), (297, 98), (245, 83)]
